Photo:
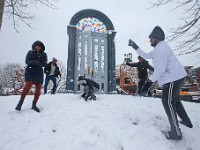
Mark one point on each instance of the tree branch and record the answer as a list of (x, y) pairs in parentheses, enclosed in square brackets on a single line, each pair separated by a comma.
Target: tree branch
[(18, 10), (188, 32)]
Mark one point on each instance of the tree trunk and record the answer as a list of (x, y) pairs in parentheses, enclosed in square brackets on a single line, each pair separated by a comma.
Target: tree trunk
[(2, 2)]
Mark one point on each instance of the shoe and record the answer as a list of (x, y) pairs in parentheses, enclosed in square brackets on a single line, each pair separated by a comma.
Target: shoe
[(189, 125), (19, 105), (83, 95), (86, 98), (93, 97), (171, 136), (36, 108)]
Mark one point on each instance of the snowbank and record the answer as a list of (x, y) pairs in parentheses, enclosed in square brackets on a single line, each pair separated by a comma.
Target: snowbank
[(113, 122)]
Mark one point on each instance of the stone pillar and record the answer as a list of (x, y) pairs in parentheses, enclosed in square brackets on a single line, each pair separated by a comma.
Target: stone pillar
[(111, 62), (71, 30)]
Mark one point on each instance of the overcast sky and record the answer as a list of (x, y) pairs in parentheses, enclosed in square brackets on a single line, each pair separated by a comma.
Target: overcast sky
[(131, 19)]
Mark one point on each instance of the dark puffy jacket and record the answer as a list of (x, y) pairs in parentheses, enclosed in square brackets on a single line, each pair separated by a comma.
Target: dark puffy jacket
[(142, 68), (90, 83), (47, 70), (35, 61)]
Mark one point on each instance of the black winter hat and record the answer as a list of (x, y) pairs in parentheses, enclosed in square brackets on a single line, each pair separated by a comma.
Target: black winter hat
[(80, 78), (157, 33), (38, 43), (140, 57)]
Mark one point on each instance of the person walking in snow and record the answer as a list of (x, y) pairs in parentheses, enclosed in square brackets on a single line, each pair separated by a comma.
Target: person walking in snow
[(170, 74), (143, 66), (89, 85), (52, 72), (36, 59)]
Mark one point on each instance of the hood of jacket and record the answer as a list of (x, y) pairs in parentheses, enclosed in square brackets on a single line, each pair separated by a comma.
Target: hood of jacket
[(38, 43)]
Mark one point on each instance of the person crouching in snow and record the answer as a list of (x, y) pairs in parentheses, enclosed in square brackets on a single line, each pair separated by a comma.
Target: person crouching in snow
[(35, 60), (89, 85)]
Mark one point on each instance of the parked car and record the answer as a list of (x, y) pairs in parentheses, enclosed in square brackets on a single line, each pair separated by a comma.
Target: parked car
[(185, 94)]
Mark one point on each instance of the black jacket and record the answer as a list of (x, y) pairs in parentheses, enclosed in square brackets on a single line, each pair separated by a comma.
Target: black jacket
[(47, 70), (142, 68), (35, 61), (90, 83)]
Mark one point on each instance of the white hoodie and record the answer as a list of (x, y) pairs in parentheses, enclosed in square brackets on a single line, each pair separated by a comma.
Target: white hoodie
[(167, 68)]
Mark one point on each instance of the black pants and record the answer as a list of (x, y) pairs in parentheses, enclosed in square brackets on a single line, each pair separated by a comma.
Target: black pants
[(141, 84), (86, 91), (173, 106)]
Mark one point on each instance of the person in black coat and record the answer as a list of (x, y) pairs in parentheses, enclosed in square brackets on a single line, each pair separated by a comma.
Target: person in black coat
[(36, 59), (142, 67), (89, 86), (52, 72)]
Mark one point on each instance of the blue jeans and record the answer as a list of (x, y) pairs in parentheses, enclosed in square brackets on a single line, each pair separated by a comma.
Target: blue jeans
[(47, 79)]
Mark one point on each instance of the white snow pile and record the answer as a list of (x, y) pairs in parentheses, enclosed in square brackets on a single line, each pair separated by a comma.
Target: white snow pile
[(113, 122)]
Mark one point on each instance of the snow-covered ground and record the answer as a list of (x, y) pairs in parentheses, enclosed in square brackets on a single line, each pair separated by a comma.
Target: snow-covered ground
[(113, 122)]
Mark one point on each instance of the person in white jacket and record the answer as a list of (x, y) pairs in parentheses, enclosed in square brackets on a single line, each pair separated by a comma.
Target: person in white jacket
[(170, 74)]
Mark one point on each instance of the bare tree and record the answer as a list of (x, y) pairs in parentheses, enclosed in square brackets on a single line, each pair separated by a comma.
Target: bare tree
[(18, 10), (188, 31), (62, 84), (11, 76)]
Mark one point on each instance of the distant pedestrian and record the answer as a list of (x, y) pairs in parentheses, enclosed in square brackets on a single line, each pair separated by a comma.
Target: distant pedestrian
[(170, 74), (52, 72), (36, 59), (143, 66)]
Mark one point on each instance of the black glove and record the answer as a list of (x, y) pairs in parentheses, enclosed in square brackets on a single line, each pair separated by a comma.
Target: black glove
[(128, 63), (39, 56), (35, 62), (46, 71), (146, 86), (133, 44)]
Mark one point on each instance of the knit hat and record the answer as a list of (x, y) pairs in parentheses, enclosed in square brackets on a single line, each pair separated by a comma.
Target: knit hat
[(38, 43), (157, 33), (54, 59), (140, 57), (80, 78)]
